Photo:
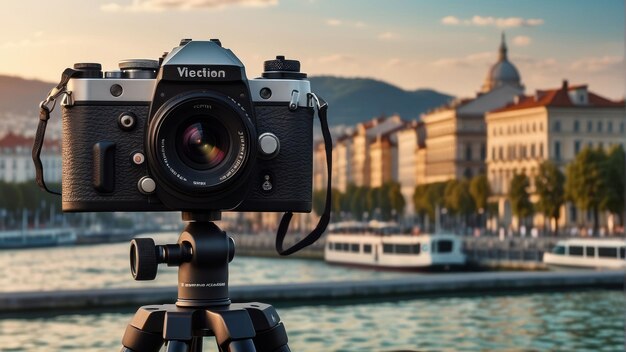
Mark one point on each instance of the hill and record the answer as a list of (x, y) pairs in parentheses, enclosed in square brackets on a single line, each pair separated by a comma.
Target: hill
[(22, 96), (352, 100)]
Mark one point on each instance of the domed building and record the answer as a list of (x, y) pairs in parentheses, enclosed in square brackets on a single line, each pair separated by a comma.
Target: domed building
[(455, 143), (502, 72)]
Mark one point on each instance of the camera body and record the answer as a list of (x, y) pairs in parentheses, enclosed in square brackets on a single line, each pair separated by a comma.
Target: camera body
[(188, 132)]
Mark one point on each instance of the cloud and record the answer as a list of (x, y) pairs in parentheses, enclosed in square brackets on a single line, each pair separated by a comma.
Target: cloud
[(451, 21), (387, 36), (522, 40), (500, 22), (334, 22), (598, 64), (181, 5)]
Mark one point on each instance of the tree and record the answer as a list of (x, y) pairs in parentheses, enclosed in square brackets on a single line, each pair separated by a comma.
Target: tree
[(613, 200), (549, 184), (480, 190), (420, 201), (458, 199), (396, 198), (358, 202), (521, 206), (319, 199), (434, 198), (585, 181), (336, 200)]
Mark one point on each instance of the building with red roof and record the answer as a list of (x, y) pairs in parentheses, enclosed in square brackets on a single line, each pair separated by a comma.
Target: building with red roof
[(16, 164), (552, 124)]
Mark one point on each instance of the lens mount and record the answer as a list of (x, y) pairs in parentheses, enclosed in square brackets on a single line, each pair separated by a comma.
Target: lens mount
[(200, 143)]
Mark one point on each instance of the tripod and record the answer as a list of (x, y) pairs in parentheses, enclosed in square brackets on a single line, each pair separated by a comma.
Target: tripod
[(202, 254)]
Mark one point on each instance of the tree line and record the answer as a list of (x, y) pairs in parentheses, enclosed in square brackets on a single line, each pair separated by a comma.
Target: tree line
[(592, 182), (363, 203)]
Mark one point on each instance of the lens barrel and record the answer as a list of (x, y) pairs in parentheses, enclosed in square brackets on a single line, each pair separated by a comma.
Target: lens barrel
[(200, 143)]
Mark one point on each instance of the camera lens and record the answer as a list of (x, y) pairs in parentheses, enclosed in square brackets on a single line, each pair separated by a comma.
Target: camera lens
[(199, 144), (203, 144)]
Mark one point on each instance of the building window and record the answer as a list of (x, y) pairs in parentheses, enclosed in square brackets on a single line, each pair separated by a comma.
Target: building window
[(532, 151), (468, 152), (576, 126), (483, 152), (557, 150), (589, 126), (541, 150), (599, 126), (609, 127), (557, 126), (501, 153), (576, 147), (493, 153)]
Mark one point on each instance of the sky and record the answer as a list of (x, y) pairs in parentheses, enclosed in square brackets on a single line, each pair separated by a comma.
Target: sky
[(447, 45)]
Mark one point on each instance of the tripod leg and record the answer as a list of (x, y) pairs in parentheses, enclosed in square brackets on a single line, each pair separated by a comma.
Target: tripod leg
[(196, 344), (144, 334)]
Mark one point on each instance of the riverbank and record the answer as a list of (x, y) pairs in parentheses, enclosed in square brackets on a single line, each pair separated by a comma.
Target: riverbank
[(484, 283)]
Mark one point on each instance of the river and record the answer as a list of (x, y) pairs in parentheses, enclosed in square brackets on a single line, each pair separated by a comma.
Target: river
[(590, 320)]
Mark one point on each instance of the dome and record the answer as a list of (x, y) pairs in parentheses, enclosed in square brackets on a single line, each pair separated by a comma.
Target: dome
[(502, 72)]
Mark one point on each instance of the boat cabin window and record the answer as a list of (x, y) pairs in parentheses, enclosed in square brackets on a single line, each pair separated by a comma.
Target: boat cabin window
[(590, 251), (559, 250), (607, 252), (402, 248), (442, 246), (622, 252), (367, 248), (354, 247), (576, 250)]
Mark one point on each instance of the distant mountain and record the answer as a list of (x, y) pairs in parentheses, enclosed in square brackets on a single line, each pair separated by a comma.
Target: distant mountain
[(353, 100), (22, 96)]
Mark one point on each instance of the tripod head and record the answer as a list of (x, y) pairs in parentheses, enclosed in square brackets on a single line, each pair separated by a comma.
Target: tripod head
[(202, 254)]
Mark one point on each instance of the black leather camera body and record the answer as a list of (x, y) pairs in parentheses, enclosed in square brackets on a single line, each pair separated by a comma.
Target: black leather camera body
[(188, 132)]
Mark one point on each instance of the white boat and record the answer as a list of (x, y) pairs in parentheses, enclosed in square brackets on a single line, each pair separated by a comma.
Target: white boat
[(381, 245), (36, 238), (587, 253)]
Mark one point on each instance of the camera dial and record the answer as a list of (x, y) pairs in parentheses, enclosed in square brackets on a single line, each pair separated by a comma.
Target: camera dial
[(281, 68), (139, 68)]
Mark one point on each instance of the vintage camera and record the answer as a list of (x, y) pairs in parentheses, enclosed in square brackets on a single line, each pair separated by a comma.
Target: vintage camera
[(188, 132)]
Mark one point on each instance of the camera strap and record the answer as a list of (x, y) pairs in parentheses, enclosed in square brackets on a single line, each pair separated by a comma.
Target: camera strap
[(317, 232), (45, 108)]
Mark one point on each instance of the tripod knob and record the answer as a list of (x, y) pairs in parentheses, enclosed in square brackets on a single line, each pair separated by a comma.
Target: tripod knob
[(143, 259)]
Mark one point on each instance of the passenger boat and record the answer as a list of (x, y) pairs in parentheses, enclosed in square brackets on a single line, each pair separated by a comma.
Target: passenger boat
[(36, 238), (383, 246), (588, 253)]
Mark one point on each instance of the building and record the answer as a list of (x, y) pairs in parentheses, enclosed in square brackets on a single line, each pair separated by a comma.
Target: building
[(16, 163), (408, 140), (342, 172), (352, 155), (553, 125), (455, 145)]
